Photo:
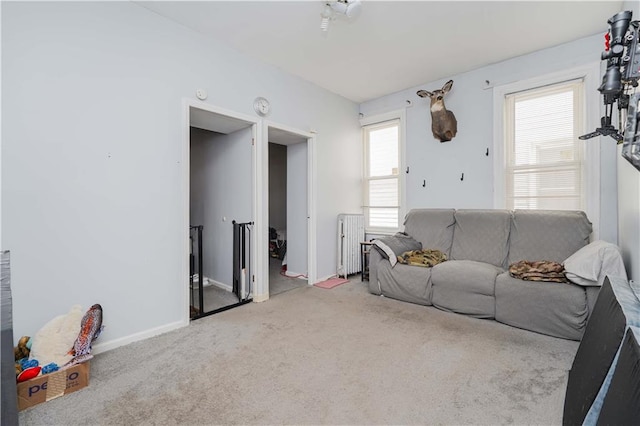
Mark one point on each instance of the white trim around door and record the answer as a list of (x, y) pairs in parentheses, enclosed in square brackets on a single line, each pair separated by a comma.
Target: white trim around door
[(188, 103), (261, 288)]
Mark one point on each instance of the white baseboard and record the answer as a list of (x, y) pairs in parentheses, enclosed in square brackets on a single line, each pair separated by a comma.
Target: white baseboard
[(218, 284), (208, 282), (292, 274), (112, 344)]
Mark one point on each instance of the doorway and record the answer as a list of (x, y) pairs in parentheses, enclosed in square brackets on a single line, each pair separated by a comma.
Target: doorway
[(220, 209), (290, 207)]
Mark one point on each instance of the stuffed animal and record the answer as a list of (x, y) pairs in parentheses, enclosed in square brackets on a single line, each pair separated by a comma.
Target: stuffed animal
[(53, 341), (23, 348), (90, 329), (21, 353)]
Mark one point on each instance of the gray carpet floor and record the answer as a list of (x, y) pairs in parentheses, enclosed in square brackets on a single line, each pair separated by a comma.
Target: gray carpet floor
[(316, 356)]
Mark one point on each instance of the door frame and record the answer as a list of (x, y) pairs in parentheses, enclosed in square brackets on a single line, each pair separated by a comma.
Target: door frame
[(261, 289), (188, 103)]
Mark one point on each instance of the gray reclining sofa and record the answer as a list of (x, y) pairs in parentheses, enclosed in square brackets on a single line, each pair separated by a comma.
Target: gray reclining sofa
[(480, 246)]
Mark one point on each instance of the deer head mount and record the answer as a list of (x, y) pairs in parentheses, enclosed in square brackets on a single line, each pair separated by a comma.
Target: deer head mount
[(443, 123)]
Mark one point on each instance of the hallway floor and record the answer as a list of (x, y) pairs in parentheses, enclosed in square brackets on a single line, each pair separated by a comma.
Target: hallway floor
[(279, 283)]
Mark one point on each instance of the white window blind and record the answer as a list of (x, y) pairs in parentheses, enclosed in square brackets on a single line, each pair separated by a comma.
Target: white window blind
[(381, 179), (544, 159)]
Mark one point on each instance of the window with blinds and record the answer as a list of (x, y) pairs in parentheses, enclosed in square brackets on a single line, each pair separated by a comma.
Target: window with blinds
[(544, 158), (381, 180)]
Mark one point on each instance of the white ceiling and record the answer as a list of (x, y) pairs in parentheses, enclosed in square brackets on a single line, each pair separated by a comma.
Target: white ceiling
[(392, 45)]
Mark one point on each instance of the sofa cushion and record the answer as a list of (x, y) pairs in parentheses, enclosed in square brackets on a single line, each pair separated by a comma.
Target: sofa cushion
[(465, 286), (556, 309), (432, 227), (404, 282), (481, 235), (547, 235)]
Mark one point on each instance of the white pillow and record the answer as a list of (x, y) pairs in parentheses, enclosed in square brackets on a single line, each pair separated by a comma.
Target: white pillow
[(593, 262), (576, 279), (393, 246), (387, 250)]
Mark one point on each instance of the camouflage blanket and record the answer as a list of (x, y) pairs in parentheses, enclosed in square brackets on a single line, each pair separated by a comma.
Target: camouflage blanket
[(426, 257), (542, 270)]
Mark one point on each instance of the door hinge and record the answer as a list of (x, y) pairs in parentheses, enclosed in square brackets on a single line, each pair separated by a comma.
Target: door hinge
[(253, 141), (253, 278)]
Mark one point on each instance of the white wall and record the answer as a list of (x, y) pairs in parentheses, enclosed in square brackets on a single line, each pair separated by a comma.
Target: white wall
[(629, 198), (221, 191), (471, 100), (297, 241), (91, 162)]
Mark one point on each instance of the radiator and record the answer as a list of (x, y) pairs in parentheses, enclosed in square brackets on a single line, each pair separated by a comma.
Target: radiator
[(350, 235)]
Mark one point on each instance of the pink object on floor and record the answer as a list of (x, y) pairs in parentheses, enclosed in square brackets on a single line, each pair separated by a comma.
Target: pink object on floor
[(331, 283)]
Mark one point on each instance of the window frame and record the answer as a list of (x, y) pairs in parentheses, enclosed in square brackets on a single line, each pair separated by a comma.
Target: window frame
[(576, 87), (590, 172), (380, 119)]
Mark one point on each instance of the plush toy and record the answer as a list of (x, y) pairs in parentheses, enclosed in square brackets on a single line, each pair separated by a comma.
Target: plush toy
[(53, 341), (50, 368), (23, 348), (28, 373), (28, 363), (21, 352), (26, 369), (90, 329)]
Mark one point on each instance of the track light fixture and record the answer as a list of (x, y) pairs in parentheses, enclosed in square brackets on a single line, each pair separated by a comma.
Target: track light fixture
[(332, 9)]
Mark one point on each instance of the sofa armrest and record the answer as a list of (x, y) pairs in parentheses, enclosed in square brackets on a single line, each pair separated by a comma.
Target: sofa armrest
[(374, 259), (592, 296), (592, 263)]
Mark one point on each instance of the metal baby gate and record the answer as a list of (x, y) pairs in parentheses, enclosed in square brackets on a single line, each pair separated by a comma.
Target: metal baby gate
[(241, 288)]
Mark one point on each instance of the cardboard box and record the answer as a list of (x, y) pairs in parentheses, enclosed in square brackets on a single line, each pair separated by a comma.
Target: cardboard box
[(52, 385)]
